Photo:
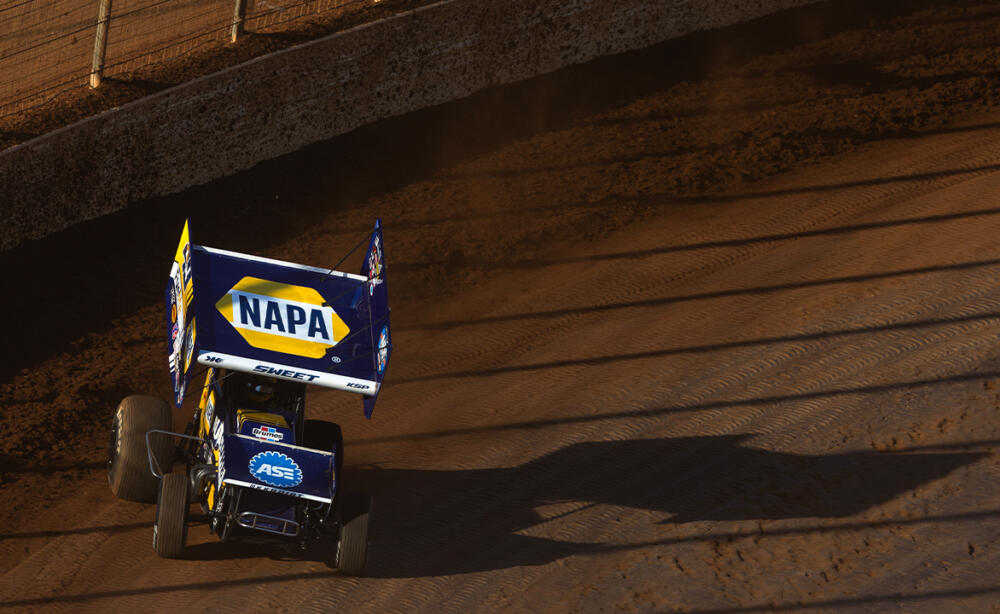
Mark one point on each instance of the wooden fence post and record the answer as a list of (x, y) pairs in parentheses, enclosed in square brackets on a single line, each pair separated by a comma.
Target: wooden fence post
[(239, 13), (100, 43)]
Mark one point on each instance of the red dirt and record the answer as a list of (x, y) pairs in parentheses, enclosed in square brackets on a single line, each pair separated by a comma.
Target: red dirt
[(707, 327)]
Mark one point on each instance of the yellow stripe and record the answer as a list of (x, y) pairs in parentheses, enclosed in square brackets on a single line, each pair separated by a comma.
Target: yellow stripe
[(263, 417)]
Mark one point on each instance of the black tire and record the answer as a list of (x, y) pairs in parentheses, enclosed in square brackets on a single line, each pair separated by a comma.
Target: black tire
[(128, 464), (170, 527), (325, 436), (322, 435), (352, 551)]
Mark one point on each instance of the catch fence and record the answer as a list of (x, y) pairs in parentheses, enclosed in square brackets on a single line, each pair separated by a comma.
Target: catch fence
[(49, 47)]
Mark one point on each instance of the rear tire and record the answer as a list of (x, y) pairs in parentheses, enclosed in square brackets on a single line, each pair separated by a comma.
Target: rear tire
[(322, 435), (128, 464), (352, 551), (170, 527), (326, 436)]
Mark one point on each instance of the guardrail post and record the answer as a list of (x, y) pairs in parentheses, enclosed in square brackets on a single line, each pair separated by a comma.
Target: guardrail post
[(100, 42), (239, 14)]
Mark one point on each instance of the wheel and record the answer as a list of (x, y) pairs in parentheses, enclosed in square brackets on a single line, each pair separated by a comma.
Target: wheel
[(170, 527), (326, 436), (352, 551), (322, 435), (128, 464)]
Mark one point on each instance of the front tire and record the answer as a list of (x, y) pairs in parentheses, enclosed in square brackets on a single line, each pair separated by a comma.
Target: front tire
[(128, 464), (352, 551), (170, 528)]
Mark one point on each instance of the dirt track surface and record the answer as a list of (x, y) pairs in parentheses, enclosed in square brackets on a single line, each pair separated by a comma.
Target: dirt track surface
[(709, 327)]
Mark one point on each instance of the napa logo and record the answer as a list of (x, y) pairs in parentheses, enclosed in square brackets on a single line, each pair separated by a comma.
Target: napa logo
[(276, 469), (281, 317)]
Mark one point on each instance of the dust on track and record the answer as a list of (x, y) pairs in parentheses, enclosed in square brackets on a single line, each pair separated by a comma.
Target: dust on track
[(657, 347)]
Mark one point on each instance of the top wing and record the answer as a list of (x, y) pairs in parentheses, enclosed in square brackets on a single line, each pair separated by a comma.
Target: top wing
[(285, 320)]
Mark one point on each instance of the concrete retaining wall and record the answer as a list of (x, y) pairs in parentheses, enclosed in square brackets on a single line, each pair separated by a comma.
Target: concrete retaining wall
[(273, 105)]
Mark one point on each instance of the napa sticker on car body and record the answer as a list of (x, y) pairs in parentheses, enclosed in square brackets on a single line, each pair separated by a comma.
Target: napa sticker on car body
[(276, 469), (281, 317)]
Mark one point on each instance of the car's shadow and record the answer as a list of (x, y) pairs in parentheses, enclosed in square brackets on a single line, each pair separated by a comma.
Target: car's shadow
[(439, 522)]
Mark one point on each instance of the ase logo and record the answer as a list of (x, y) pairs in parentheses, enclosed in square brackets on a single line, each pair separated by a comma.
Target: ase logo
[(276, 469), (282, 317)]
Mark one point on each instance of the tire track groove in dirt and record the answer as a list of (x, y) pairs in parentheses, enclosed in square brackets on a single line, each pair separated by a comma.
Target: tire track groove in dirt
[(881, 356)]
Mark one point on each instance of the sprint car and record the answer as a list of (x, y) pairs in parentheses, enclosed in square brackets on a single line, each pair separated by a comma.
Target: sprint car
[(260, 469)]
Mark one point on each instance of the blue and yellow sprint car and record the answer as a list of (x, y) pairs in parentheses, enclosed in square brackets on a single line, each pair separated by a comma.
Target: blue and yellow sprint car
[(262, 329)]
